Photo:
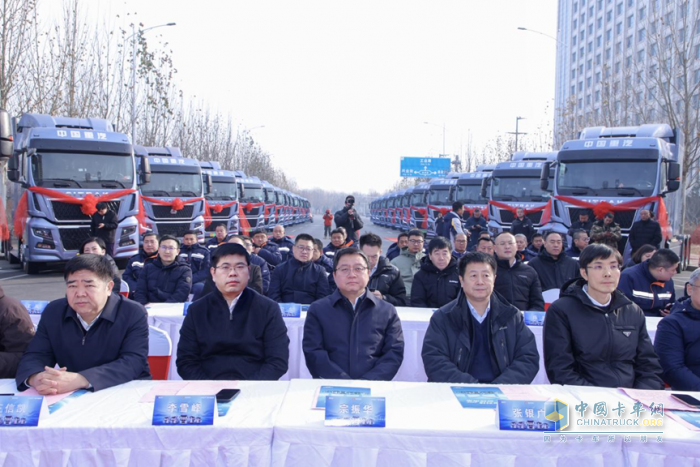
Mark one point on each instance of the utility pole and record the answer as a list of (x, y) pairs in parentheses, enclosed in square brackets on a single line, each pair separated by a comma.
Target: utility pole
[(517, 120)]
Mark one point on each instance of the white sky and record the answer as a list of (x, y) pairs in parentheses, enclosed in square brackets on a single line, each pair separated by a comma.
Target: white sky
[(343, 88)]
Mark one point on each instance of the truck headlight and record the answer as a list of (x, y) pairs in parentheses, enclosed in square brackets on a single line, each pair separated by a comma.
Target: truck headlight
[(126, 231), (45, 233)]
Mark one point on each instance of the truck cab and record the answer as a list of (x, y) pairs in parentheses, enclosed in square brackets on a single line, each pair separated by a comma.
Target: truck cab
[(468, 191), (439, 201), (419, 206), (224, 193), (252, 204), (270, 200)]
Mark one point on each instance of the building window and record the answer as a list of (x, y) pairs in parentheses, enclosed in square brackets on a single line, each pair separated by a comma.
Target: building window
[(590, 47), (573, 90), (573, 40), (575, 24), (597, 59), (619, 8), (628, 61), (618, 48), (642, 13), (580, 86), (573, 57), (589, 65), (630, 21), (640, 56), (590, 29), (608, 35), (588, 82), (681, 34), (599, 22), (597, 96), (641, 35), (597, 77), (630, 2), (618, 28), (598, 41), (575, 7), (580, 69), (608, 16), (654, 49), (608, 53), (617, 67), (630, 40)]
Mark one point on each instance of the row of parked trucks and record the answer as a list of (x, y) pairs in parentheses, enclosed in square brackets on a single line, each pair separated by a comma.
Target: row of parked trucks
[(621, 170), (60, 167)]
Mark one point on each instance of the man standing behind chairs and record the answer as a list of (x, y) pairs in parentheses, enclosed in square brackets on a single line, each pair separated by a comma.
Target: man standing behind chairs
[(474, 226), (233, 333), (99, 339), (522, 225), (453, 222), (478, 338), (646, 231), (299, 279), (349, 218), (516, 282), (352, 334), (103, 224), (384, 278)]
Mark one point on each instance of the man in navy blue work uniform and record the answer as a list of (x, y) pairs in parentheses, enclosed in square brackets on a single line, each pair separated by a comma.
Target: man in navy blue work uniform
[(453, 222), (134, 268), (197, 257), (167, 278), (219, 239), (98, 339), (299, 279), (266, 250), (284, 243), (352, 334), (650, 283)]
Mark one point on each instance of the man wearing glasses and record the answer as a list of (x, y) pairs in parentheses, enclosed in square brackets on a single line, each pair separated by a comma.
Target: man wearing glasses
[(299, 279), (594, 335), (650, 283), (352, 334), (168, 278), (409, 260), (233, 333)]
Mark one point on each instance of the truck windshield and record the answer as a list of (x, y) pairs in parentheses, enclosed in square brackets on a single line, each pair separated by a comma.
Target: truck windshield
[(418, 199), (63, 170), (439, 197), (470, 194), (517, 189), (250, 194), (607, 178), (269, 196), (173, 184), (223, 191)]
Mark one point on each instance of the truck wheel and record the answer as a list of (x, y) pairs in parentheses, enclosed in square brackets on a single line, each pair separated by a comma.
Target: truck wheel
[(30, 267), (7, 249)]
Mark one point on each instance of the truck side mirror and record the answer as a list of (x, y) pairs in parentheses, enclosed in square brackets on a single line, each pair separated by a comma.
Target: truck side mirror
[(13, 169), (145, 171), (210, 184), (673, 182), (6, 144), (484, 187), (544, 176)]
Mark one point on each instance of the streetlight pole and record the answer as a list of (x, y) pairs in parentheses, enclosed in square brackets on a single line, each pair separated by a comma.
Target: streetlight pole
[(520, 28), (443, 136), (517, 120), (133, 74)]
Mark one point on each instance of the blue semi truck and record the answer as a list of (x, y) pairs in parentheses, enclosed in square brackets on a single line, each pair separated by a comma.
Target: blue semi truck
[(224, 193)]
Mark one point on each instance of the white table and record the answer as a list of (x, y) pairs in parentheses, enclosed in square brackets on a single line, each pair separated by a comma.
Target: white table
[(112, 428)]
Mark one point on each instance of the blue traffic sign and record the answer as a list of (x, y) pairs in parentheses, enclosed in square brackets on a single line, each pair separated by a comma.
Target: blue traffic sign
[(425, 166)]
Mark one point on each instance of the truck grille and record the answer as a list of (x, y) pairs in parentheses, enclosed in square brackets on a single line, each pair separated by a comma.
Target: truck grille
[(624, 218), (71, 212), (164, 212), (507, 216), (73, 238), (176, 229)]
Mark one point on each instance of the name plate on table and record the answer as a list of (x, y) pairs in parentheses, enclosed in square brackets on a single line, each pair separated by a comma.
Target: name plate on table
[(532, 415), (184, 410), (362, 411), (325, 391), (185, 306), (20, 410), (534, 318), (304, 308), (477, 397), (35, 307), (290, 310)]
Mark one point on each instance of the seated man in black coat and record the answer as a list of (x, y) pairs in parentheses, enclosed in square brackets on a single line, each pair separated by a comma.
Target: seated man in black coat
[(166, 279), (437, 282), (478, 338), (516, 282), (98, 339), (134, 268), (352, 334), (384, 278), (234, 332), (553, 267), (266, 250), (299, 279)]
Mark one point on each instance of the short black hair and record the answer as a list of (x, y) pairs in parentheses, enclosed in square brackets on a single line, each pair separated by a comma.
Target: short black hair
[(319, 244), (610, 215), (485, 239), (221, 225), (664, 258), (597, 251), (457, 205), (150, 234), (190, 232), (100, 265), (170, 237), (578, 233), (337, 231), (584, 213), (537, 235), (101, 205), (303, 237), (643, 250), (549, 233), (485, 234), (98, 240), (370, 239), (348, 251), (476, 257), (229, 249), (416, 233), (439, 243), (402, 234), (259, 232)]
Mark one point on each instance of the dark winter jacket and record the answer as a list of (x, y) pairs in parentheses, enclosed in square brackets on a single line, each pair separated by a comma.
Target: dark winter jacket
[(213, 243), (524, 227), (108, 231), (342, 343), (248, 343), (573, 252), (285, 245), (351, 223), (330, 250), (393, 251), (197, 258), (158, 283), (16, 331), (296, 282), (433, 288), (474, 227), (677, 344), (645, 233), (519, 285), (387, 281), (448, 341), (452, 225), (264, 273), (327, 264), (270, 252), (651, 295), (589, 345), (114, 351), (134, 268), (531, 252), (554, 273)]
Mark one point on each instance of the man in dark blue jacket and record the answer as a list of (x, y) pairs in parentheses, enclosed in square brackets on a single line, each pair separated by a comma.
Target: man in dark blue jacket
[(266, 250), (254, 259), (474, 226), (232, 333), (352, 334), (384, 278), (337, 243), (284, 243), (395, 248), (167, 278), (437, 282), (581, 240), (677, 341), (453, 222), (535, 248), (324, 261), (478, 338), (299, 280), (98, 339), (516, 282), (650, 283), (522, 224), (219, 239), (553, 267), (197, 258), (134, 268)]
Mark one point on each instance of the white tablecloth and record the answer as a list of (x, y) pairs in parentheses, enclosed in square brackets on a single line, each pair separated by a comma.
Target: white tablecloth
[(414, 322), (112, 428)]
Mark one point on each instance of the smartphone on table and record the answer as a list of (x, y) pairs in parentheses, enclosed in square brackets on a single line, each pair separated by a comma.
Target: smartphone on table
[(227, 395)]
